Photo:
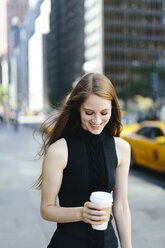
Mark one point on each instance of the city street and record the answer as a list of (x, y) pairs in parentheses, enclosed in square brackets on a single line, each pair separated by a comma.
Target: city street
[(20, 223)]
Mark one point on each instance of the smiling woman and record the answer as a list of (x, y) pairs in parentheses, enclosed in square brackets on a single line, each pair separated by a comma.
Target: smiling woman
[(82, 154), (95, 117)]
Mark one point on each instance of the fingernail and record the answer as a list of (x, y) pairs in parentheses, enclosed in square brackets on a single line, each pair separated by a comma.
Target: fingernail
[(103, 212)]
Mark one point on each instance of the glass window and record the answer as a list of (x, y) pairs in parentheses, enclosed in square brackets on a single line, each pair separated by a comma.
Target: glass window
[(145, 131), (150, 132), (157, 132)]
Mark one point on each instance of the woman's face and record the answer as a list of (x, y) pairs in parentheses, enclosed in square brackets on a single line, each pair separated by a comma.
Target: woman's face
[(95, 113)]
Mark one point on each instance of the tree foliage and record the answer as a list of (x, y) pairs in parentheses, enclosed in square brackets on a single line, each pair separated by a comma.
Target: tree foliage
[(1, 94), (143, 85)]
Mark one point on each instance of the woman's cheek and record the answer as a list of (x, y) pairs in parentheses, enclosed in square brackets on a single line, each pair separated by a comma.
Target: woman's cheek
[(108, 117)]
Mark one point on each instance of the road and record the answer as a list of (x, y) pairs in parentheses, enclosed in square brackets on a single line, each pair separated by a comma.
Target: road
[(20, 223)]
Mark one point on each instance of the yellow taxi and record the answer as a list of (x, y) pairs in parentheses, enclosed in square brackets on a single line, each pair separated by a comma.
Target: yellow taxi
[(130, 125), (148, 145)]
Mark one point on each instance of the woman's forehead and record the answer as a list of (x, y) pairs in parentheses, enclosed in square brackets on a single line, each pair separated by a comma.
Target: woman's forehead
[(96, 101)]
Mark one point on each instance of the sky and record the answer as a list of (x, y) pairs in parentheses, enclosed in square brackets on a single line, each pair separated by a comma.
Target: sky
[(32, 3)]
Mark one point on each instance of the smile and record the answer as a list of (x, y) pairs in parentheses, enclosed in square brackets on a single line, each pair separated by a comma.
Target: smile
[(95, 127)]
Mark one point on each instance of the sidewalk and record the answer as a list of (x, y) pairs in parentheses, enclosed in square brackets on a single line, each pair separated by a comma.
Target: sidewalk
[(21, 225)]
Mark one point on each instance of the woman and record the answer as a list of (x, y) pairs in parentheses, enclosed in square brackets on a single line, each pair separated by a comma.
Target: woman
[(83, 153)]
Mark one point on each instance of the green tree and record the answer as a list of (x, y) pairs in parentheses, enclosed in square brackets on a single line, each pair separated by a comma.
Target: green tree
[(1, 94), (143, 85)]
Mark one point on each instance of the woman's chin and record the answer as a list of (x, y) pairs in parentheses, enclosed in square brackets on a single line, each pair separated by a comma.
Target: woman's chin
[(95, 130)]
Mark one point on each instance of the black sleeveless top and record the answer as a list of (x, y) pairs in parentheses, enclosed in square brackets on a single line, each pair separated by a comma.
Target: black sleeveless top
[(91, 166)]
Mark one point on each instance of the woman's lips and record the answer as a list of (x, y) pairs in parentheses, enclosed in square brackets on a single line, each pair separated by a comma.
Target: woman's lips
[(95, 127)]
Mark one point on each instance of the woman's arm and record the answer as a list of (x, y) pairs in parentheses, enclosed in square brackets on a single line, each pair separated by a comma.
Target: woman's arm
[(54, 163), (120, 195)]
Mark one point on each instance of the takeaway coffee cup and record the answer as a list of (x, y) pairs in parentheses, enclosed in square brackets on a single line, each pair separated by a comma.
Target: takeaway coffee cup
[(103, 199)]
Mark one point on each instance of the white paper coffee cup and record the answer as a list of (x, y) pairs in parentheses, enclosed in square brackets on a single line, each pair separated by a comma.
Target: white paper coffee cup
[(104, 200)]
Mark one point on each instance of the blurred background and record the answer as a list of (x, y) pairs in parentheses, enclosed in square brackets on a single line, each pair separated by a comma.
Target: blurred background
[(45, 47)]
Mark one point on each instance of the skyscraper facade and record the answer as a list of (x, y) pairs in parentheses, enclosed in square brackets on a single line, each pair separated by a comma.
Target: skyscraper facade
[(3, 27), (65, 46), (110, 37), (3, 36), (93, 40), (15, 8), (134, 35)]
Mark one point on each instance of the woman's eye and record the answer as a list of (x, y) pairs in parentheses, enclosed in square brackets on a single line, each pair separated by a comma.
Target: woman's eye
[(105, 113), (87, 113)]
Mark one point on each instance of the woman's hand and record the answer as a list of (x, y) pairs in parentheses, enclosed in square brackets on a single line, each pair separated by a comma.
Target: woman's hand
[(93, 214)]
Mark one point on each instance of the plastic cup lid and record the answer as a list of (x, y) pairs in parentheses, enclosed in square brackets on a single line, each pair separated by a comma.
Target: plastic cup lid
[(100, 196)]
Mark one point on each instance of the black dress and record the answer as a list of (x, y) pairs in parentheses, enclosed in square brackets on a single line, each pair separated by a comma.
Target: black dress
[(91, 166)]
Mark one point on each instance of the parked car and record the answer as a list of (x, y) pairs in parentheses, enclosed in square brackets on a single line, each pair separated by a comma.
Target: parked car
[(148, 145)]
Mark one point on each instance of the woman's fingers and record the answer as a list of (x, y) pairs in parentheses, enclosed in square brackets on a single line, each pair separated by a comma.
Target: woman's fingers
[(93, 214), (96, 218), (93, 209), (92, 205)]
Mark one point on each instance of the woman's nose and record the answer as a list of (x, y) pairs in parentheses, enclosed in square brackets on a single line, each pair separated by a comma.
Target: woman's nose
[(96, 120)]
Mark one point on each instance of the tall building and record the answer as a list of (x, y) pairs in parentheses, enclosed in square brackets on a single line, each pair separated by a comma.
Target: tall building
[(111, 37), (3, 36), (36, 59), (20, 35), (134, 35), (65, 46), (15, 8), (3, 27), (93, 38), (18, 88)]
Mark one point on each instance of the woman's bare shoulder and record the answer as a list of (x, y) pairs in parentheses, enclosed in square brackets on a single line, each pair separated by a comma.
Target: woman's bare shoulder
[(121, 144), (122, 148), (58, 151), (58, 146)]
